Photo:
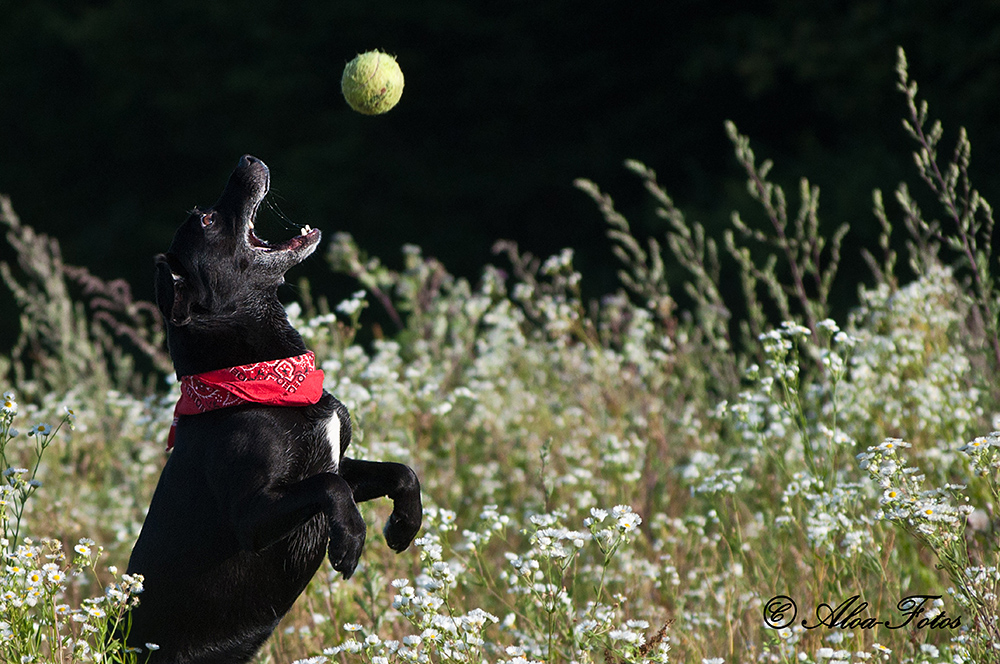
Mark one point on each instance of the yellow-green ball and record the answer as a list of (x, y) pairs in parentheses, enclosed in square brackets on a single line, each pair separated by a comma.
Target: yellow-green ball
[(372, 83)]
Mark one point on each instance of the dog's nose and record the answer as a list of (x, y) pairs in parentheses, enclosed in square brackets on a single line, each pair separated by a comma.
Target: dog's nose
[(251, 166)]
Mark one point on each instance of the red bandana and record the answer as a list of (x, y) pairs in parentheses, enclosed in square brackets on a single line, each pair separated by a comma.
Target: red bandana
[(290, 381)]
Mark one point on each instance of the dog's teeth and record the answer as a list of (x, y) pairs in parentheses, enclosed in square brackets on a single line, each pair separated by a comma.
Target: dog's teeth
[(251, 225), (302, 231)]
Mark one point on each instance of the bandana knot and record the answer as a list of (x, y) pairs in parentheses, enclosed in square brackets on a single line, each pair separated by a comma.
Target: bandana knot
[(289, 381)]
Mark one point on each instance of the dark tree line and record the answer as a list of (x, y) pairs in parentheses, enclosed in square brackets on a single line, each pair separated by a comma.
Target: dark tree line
[(117, 117)]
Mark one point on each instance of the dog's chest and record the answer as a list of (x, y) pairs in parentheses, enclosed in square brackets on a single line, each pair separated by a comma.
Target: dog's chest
[(329, 435), (331, 431)]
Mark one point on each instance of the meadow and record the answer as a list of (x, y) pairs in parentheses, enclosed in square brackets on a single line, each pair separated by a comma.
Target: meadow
[(630, 479)]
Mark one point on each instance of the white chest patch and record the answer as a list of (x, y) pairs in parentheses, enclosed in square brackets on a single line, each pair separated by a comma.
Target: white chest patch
[(333, 438)]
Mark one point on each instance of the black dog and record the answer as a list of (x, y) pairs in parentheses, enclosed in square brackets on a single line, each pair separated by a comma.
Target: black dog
[(254, 495)]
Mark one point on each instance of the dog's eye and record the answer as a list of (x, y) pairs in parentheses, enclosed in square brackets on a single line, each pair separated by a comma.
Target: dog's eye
[(207, 219)]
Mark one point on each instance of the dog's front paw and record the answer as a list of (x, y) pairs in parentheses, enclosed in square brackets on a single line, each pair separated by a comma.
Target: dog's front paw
[(347, 539), (403, 524)]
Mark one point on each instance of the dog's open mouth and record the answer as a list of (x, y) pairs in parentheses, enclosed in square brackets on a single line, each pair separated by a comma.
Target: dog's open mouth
[(247, 187), (306, 236)]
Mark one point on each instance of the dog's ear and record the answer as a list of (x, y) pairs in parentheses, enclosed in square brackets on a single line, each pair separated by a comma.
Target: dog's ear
[(173, 290)]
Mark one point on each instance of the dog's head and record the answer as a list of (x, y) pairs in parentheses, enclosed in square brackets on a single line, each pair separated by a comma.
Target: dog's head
[(216, 265)]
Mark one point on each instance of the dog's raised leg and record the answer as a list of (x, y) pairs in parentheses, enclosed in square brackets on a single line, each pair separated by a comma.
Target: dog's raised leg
[(374, 479), (272, 514)]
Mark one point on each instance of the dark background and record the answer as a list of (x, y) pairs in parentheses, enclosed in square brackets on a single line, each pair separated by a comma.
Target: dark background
[(117, 117)]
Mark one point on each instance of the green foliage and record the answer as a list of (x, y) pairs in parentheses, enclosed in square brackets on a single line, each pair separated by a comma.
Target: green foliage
[(39, 576), (61, 347), (621, 480)]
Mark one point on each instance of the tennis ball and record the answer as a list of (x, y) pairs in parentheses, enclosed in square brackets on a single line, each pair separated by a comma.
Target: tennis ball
[(372, 83)]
